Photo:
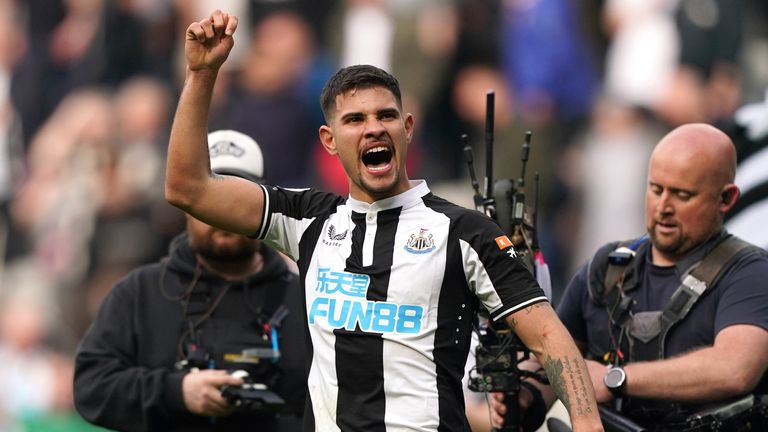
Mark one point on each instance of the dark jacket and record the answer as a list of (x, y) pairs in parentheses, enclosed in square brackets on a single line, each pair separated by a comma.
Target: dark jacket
[(124, 370)]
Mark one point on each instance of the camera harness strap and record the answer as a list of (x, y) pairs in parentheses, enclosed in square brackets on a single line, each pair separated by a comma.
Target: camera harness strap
[(198, 306), (648, 331)]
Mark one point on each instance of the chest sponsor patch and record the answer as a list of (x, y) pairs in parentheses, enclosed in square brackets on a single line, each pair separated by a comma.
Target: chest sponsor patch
[(341, 303)]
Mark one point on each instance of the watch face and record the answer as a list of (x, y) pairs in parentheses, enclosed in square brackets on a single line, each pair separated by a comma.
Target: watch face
[(614, 378)]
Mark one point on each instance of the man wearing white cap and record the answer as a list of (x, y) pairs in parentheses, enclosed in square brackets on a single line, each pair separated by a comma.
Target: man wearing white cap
[(199, 341)]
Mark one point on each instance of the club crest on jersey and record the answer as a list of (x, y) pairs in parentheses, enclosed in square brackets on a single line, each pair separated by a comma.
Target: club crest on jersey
[(420, 243), (333, 238)]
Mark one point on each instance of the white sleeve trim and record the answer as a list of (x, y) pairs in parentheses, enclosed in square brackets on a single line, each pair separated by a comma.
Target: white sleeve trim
[(518, 307), (264, 214)]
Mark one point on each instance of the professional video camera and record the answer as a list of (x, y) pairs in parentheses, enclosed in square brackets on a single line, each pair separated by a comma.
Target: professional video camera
[(500, 352), (255, 393), (257, 366)]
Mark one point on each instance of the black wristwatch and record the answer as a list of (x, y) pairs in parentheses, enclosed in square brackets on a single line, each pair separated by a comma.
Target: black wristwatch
[(616, 380)]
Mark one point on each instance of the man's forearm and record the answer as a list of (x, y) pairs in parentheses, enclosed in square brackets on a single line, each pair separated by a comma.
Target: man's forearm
[(569, 380), (195, 100), (544, 334), (732, 366)]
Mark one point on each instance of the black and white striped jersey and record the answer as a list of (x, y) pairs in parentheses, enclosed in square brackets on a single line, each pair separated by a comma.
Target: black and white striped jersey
[(391, 292)]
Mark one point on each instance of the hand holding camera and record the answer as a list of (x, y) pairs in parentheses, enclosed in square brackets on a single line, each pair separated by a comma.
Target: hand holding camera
[(250, 395), (201, 389)]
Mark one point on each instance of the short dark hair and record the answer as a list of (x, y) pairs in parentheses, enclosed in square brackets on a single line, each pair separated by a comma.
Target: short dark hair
[(357, 77)]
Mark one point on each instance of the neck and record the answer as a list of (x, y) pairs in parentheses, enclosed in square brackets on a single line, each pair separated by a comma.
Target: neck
[(230, 269), (662, 260), (665, 259)]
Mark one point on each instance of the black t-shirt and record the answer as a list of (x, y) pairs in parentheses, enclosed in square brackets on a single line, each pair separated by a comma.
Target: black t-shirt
[(741, 297)]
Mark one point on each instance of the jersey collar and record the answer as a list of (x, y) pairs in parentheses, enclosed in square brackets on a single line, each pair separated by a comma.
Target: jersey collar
[(405, 200)]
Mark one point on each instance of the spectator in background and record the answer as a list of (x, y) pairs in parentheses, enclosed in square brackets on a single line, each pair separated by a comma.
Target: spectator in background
[(705, 85), (265, 99), (415, 39), (72, 45), (749, 131), (606, 179), (36, 376), (552, 73), (132, 213), (475, 46), (58, 200), (168, 334), (668, 62), (548, 64), (93, 173), (12, 152)]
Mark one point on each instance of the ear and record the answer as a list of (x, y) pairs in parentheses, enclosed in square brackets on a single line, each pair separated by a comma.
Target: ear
[(728, 197), (326, 138), (409, 127)]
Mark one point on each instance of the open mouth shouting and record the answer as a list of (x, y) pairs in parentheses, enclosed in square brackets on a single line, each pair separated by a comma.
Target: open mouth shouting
[(377, 159)]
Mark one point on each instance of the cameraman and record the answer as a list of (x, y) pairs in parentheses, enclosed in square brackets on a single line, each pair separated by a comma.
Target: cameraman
[(166, 337), (649, 362)]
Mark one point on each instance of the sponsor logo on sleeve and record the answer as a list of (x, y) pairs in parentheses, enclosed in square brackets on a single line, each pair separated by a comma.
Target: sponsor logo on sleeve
[(503, 242)]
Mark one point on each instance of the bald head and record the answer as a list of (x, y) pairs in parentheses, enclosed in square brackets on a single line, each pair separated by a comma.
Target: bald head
[(706, 150)]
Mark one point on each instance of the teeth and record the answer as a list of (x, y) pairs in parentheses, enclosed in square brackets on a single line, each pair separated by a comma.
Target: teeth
[(376, 150)]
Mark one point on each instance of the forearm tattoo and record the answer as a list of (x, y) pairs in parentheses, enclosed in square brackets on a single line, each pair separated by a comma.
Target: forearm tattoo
[(566, 372), (513, 320)]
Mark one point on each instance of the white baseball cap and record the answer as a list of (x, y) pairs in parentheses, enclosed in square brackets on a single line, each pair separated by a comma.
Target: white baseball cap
[(235, 153)]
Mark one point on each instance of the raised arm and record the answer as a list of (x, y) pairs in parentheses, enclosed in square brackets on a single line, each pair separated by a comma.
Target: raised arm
[(230, 203), (546, 337)]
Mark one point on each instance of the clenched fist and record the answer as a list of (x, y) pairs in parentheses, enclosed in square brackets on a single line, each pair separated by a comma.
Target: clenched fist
[(208, 42)]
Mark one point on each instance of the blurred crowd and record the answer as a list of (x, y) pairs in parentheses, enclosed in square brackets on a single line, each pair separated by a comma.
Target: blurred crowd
[(88, 88)]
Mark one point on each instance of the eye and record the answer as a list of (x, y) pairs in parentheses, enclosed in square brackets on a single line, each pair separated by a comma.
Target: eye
[(354, 118), (683, 195), (389, 115), (655, 189)]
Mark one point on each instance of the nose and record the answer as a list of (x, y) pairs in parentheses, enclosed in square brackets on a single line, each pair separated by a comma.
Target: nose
[(663, 203), (373, 127)]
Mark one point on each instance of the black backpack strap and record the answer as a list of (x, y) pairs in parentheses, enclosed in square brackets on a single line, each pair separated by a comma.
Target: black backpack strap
[(703, 277), (612, 272), (596, 273), (612, 264)]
